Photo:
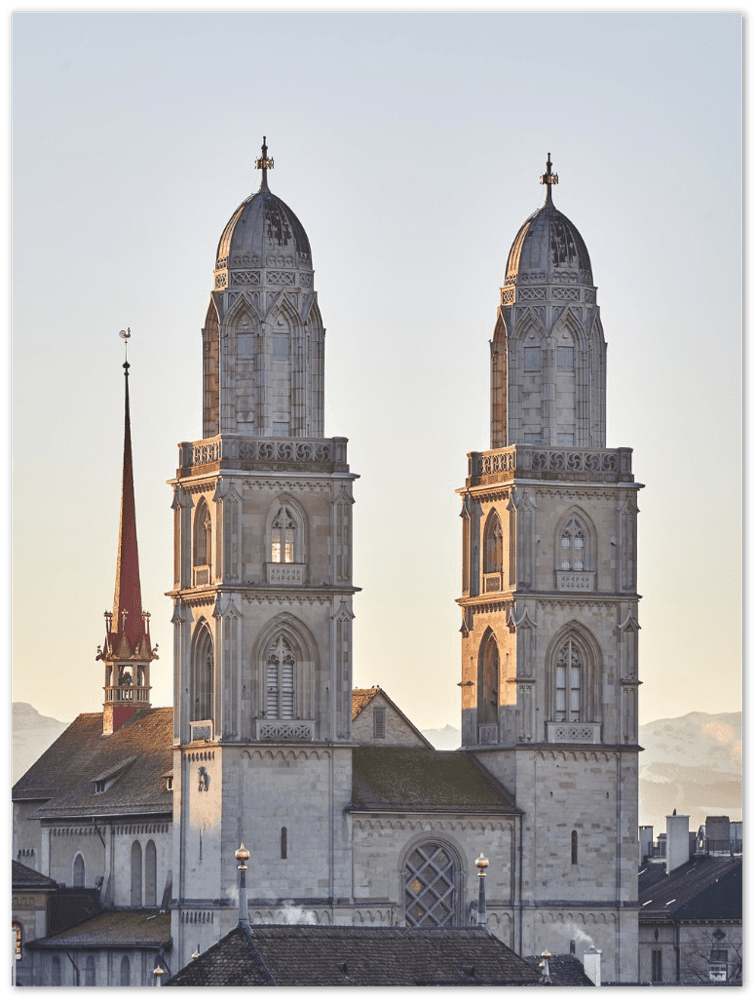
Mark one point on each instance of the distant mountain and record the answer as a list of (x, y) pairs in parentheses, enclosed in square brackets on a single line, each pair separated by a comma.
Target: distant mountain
[(32, 735), (691, 764)]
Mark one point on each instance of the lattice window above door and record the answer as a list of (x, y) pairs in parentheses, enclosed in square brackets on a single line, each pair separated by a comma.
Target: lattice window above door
[(429, 887)]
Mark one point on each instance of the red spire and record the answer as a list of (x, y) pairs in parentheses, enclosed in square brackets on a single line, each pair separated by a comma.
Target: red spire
[(128, 619)]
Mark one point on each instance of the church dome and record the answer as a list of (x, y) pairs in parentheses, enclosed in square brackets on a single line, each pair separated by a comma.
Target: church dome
[(263, 241), (548, 246)]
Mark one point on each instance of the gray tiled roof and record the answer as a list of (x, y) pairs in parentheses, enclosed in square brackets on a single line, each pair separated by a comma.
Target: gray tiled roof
[(27, 878), (114, 929), (64, 776), (420, 780), (564, 970), (702, 889), (301, 955)]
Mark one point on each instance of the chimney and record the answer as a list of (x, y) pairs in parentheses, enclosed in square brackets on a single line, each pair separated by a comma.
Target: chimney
[(645, 843), (592, 965), (678, 842)]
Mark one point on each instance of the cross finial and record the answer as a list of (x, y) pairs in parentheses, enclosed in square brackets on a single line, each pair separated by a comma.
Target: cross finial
[(264, 163), (549, 178)]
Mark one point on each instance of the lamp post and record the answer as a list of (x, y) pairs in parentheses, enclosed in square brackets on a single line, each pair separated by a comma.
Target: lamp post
[(481, 864)]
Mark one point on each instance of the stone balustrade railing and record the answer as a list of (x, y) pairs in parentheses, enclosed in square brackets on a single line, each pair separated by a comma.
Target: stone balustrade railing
[(232, 451), (604, 465)]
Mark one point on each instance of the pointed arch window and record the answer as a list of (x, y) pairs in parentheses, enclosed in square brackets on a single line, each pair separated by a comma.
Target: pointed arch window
[(56, 974), (90, 979), (493, 545), (203, 534), (150, 874), (283, 537), (136, 874), (569, 676), (573, 546), (79, 872), (280, 668), (488, 682), (125, 971), (202, 675)]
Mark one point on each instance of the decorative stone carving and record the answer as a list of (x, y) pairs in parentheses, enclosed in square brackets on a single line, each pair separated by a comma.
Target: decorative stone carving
[(245, 278), (488, 735), (573, 732), (282, 730)]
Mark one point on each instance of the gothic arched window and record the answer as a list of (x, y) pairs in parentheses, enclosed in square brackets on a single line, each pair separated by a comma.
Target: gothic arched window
[(203, 534), (573, 546), (430, 886), (18, 934), (125, 971), (136, 874), (283, 537), (574, 847), (280, 668), (493, 548), (202, 674), (488, 681), (55, 971), (89, 977), (569, 671), (150, 874), (79, 871)]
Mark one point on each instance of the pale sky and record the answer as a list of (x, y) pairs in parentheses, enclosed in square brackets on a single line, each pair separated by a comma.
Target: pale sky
[(409, 146)]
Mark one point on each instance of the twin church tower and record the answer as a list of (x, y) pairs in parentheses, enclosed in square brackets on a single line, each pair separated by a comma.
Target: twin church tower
[(264, 750)]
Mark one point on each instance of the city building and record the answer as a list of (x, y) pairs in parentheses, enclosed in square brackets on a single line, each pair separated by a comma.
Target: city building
[(352, 819)]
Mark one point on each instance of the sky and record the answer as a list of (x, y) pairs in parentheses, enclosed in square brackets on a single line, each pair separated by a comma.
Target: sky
[(409, 145)]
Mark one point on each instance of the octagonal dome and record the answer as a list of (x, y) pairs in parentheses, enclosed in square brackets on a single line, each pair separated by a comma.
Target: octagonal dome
[(547, 246)]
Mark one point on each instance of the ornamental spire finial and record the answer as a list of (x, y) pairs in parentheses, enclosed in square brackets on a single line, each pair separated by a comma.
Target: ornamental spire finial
[(548, 178), (264, 163)]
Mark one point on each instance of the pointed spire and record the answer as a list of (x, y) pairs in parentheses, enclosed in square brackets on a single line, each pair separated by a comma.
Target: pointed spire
[(549, 178), (129, 621), (265, 164)]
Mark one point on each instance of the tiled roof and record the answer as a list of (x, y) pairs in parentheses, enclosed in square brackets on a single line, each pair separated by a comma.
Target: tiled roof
[(27, 878), (361, 698), (703, 889), (64, 775), (564, 970), (416, 779), (301, 955), (114, 929), (71, 906)]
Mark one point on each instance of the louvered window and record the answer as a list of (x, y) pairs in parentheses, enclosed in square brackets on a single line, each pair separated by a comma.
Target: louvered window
[(568, 671), (280, 680)]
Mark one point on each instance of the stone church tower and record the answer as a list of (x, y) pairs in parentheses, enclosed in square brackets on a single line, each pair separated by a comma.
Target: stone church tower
[(549, 601), (262, 596)]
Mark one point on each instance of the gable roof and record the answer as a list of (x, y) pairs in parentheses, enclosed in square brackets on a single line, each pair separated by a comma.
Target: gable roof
[(362, 697), (113, 929), (138, 753), (302, 955), (27, 879), (413, 779), (704, 888)]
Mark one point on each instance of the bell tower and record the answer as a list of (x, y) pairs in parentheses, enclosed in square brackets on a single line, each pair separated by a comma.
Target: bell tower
[(127, 650), (549, 600), (262, 594)]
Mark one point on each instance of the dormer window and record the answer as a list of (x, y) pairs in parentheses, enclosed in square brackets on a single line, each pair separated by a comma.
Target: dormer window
[(99, 787)]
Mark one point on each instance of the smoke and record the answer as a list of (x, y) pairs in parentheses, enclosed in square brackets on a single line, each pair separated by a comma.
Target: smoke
[(580, 936), (290, 914)]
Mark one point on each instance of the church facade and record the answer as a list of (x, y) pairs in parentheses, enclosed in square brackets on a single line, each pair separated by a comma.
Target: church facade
[(349, 815)]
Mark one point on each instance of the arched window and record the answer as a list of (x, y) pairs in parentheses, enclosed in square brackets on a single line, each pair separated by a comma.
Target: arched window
[(488, 681), (572, 546), (136, 874), (125, 971), (202, 674), (283, 537), (280, 666), (284, 843), (150, 874), (79, 872), (430, 887), (203, 534), (90, 978), (55, 971), (574, 847), (18, 934), (492, 545), (569, 671)]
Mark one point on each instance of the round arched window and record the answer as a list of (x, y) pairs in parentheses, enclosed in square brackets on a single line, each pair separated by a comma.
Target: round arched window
[(430, 894)]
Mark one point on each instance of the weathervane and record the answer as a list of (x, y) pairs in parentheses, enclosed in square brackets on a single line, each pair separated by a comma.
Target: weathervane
[(124, 335), (264, 163)]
